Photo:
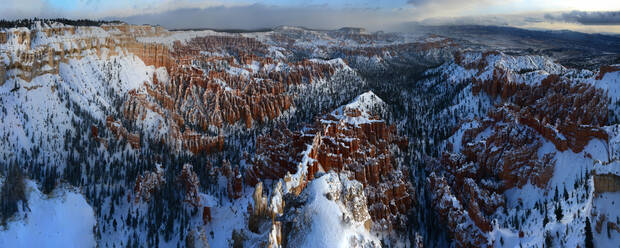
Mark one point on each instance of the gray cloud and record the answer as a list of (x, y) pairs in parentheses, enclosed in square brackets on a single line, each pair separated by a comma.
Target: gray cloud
[(262, 16), (587, 18)]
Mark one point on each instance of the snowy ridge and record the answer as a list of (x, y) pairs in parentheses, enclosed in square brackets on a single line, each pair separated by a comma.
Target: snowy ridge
[(321, 219), (368, 104)]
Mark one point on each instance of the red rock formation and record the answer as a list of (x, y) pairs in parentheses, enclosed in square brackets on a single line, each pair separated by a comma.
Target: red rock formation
[(120, 132), (564, 113), (94, 131), (280, 152), (147, 184), (473, 181), (235, 181), (189, 180), (208, 94), (606, 183), (361, 149), (44, 59), (3, 37), (452, 214)]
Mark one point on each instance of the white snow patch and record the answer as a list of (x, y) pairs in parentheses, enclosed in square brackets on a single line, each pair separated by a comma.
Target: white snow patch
[(62, 220)]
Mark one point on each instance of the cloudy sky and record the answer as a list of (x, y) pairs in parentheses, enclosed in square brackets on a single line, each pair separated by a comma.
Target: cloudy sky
[(580, 15)]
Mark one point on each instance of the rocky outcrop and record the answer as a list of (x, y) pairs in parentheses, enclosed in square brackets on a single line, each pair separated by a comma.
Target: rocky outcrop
[(567, 114), (502, 150), (234, 186), (148, 183), (349, 140), (364, 151), (329, 196), (62, 44), (464, 229), (266, 209), (3, 37), (219, 85), (190, 183), (606, 183), (121, 132), (280, 152)]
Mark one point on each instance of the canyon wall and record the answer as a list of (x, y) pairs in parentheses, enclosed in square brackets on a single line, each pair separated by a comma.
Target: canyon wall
[(35, 52)]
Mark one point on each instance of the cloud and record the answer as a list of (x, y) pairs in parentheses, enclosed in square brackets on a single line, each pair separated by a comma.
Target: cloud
[(25, 9), (263, 16), (587, 18)]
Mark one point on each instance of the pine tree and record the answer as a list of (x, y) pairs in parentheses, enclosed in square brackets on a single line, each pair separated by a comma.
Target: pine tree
[(548, 239), (565, 194), (588, 240), (558, 212), (12, 192), (546, 219)]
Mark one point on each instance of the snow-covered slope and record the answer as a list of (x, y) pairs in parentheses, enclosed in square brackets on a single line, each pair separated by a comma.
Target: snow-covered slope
[(334, 215), (60, 219)]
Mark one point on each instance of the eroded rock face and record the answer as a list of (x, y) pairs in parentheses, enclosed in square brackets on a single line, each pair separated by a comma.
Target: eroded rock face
[(280, 152), (349, 140), (334, 212), (267, 209), (606, 69), (2, 73), (62, 44), (606, 183), (502, 150), (509, 154), (121, 132), (189, 180), (466, 232), (260, 201), (364, 150), (567, 114), (220, 84), (148, 183), (234, 180)]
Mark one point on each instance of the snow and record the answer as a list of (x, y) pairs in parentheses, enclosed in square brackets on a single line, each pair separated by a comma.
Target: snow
[(327, 228), (610, 82), (367, 103), (606, 204), (569, 168), (38, 109), (225, 218), (63, 219), (293, 180)]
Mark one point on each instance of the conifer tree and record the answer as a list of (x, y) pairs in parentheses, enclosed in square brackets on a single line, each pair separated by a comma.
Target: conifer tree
[(546, 219), (558, 212), (588, 239)]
